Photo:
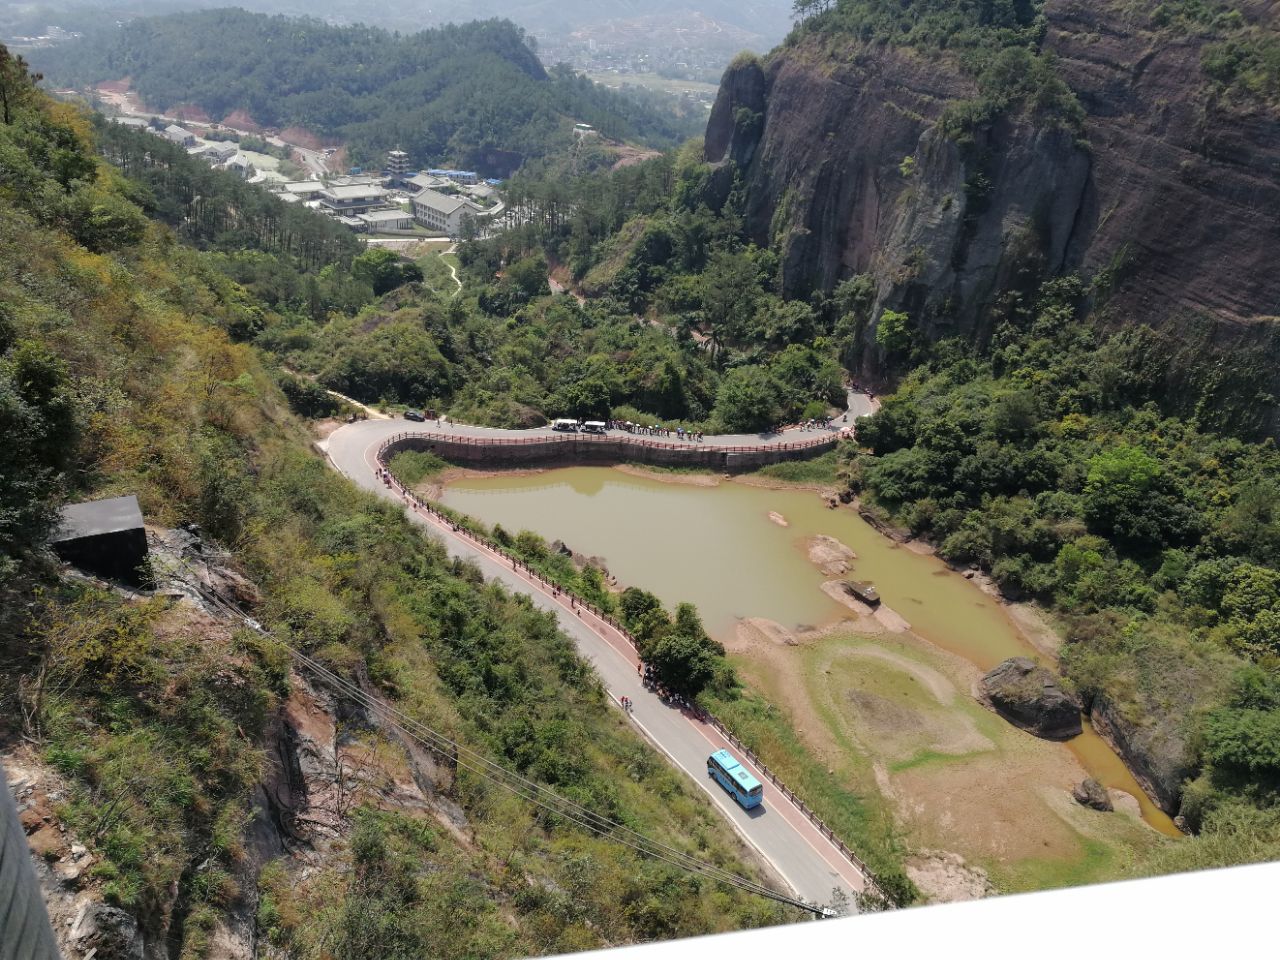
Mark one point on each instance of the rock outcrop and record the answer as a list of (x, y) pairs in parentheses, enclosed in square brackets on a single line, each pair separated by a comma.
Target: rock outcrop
[(1155, 749), (1169, 197), (831, 556), (1032, 698), (1090, 793), (185, 564), (107, 932)]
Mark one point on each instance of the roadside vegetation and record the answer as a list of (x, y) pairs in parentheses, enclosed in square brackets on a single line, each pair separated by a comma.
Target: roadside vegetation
[(119, 373), (822, 470)]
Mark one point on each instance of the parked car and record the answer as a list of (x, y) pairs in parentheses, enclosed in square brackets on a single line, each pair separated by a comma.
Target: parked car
[(415, 416)]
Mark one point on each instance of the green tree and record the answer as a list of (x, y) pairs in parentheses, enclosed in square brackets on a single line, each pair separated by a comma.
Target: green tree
[(682, 664), (730, 289), (384, 270), (17, 84), (1251, 608), (893, 333), (747, 400), (1129, 496)]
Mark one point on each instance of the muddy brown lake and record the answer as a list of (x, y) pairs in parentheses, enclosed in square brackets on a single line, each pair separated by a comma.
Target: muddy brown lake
[(723, 548)]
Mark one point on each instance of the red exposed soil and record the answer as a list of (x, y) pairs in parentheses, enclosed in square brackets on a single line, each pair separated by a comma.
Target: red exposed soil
[(560, 274), (240, 120), (118, 94), (301, 137), (629, 156), (190, 112)]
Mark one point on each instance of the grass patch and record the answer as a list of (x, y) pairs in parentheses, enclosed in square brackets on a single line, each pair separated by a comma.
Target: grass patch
[(435, 270), (922, 758), (1098, 861), (411, 467), (679, 471), (821, 470)]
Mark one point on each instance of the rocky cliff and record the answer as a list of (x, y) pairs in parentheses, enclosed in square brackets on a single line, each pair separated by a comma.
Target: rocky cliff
[(1169, 198)]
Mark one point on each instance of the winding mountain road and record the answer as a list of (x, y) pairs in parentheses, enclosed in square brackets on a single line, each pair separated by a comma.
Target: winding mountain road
[(785, 838)]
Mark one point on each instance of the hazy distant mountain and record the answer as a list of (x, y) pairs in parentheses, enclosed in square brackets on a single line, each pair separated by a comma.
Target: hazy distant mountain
[(728, 24), (767, 19)]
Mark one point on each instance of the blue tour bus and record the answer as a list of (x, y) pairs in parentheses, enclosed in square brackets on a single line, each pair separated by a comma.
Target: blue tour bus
[(733, 776)]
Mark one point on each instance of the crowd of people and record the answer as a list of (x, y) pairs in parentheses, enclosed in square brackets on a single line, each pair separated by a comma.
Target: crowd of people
[(820, 423), (654, 430)]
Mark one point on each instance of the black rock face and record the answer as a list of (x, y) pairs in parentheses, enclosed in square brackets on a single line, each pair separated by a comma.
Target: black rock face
[(1031, 697)]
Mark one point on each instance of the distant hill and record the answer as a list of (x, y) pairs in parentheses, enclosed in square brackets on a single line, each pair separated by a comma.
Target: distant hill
[(768, 20), (474, 95)]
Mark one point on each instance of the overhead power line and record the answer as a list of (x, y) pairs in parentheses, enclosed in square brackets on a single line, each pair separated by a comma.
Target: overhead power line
[(529, 790)]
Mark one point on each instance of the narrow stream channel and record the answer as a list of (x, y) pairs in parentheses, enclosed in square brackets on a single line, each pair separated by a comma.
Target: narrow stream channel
[(718, 548)]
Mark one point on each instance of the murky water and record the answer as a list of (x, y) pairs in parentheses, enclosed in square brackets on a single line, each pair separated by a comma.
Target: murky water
[(718, 548)]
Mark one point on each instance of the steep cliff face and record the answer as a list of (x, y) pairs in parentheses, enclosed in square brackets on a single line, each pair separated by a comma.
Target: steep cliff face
[(1171, 196)]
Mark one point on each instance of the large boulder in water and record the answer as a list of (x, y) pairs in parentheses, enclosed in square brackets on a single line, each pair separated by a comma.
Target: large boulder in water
[(1031, 697)]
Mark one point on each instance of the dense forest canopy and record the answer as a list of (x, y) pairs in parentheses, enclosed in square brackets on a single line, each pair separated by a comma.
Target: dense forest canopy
[(474, 95), (1242, 57), (927, 24)]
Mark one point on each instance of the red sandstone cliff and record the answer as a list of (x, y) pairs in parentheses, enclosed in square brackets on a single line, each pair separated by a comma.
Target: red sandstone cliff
[(1171, 193)]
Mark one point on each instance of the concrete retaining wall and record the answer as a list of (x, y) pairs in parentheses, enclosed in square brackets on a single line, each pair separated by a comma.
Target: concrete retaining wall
[(588, 449)]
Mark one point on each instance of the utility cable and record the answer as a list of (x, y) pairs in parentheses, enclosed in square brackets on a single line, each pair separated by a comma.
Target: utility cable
[(515, 783)]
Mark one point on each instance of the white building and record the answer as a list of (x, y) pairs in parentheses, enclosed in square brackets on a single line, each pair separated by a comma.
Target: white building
[(214, 152), (241, 166), (179, 135), (301, 189), (443, 214), (424, 181), (351, 200), (381, 221)]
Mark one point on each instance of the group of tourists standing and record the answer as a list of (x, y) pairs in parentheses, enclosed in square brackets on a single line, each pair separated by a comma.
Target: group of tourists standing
[(655, 430)]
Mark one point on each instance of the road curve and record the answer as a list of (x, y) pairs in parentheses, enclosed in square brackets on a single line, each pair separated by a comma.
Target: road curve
[(354, 437), (807, 860)]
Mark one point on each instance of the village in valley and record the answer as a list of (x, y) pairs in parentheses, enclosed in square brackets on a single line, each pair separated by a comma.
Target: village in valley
[(395, 202)]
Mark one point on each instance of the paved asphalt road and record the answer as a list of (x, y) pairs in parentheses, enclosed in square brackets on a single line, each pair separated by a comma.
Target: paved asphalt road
[(783, 836), (356, 436)]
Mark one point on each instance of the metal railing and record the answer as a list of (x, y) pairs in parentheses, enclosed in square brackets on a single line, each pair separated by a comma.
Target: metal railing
[(691, 446), (704, 715)]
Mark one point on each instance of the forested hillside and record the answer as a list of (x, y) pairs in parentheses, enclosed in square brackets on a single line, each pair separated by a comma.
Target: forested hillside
[(685, 325), (473, 95), (222, 796)]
